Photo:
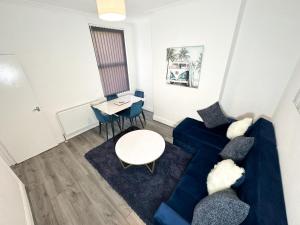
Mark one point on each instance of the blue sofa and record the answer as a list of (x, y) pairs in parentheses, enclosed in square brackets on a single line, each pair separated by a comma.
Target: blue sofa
[(262, 188)]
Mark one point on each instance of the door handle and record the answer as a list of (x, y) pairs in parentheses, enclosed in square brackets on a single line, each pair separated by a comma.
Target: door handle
[(36, 109)]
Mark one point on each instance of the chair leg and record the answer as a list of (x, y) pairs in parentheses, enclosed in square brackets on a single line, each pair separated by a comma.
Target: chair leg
[(106, 131), (141, 121), (113, 128), (123, 123), (131, 121), (100, 128), (119, 124), (143, 114)]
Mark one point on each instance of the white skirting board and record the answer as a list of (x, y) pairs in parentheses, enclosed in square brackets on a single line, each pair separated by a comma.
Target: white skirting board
[(27, 209), (164, 121), (148, 108)]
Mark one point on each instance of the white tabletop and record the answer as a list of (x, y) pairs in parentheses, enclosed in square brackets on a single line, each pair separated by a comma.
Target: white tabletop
[(140, 147), (114, 106)]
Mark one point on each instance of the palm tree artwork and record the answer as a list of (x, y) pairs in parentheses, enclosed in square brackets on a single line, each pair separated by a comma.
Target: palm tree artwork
[(192, 72), (184, 66), (196, 77), (199, 62), (171, 56), (183, 55)]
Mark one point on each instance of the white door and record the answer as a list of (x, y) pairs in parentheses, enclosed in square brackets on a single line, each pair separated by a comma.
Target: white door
[(14, 205), (24, 131)]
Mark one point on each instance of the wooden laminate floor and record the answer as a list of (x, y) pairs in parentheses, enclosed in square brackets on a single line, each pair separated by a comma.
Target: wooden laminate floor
[(64, 189)]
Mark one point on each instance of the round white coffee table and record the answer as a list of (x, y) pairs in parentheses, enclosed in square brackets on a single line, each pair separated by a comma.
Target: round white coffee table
[(140, 147)]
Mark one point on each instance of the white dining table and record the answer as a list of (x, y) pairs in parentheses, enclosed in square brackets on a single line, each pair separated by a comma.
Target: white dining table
[(117, 105)]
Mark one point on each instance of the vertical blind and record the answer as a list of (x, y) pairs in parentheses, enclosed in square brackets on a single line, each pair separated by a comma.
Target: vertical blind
[(109, 46)]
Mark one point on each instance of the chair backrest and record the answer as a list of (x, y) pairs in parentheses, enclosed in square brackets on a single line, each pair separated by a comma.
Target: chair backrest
[(100, 116), (139, 93), (136, 108), (111, 97)]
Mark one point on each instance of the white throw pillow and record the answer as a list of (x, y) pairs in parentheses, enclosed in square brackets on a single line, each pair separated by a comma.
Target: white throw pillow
[(223, 175), (238, 128)]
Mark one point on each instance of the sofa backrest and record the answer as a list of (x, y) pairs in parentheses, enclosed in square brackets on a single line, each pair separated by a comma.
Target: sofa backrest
[(262, 188)]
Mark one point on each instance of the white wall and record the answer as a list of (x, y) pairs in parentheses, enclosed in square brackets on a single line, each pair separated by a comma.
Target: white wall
[(287, 125), (266, 50), (56, 52), (144, 60), (14, 205), (5, 155), (204, 22)]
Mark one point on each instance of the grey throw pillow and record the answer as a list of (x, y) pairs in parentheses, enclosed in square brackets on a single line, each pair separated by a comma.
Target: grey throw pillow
[(213, 116), (237, 148), (220, 208)]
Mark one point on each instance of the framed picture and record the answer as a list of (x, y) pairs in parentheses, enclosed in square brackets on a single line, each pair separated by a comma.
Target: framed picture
[(297, 101), (184, 66)]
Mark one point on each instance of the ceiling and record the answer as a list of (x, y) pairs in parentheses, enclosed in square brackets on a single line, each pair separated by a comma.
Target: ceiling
[(135, 8)]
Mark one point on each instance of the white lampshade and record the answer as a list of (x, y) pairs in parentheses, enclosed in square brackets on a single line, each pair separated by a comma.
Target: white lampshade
[(111, 10)]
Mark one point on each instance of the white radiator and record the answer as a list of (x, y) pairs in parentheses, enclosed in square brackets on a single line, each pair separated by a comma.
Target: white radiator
[(77, 119)]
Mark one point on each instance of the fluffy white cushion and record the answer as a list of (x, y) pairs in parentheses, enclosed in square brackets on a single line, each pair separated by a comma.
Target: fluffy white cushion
[(239, 128), (223, 175)]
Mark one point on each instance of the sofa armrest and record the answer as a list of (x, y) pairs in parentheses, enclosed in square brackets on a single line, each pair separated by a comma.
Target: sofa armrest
[(167, 216)]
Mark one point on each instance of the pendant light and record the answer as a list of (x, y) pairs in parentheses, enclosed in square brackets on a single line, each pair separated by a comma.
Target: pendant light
[(111, 10)]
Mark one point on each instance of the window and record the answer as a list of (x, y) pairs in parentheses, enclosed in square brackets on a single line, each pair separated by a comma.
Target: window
[(109, 46)]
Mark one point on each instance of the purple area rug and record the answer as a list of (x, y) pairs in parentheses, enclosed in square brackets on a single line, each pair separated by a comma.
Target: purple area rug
[(142, 190)]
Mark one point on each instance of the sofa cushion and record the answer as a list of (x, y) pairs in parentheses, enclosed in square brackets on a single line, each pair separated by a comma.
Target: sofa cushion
[(224, 174), (213, 116), (192, 186), (192, 135), (237, 148), (239, 128), (220, 208)]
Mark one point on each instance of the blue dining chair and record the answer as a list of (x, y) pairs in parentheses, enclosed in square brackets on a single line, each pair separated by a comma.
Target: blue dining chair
[(106, 119), (111, 97), (139, 93), (134, 112)]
